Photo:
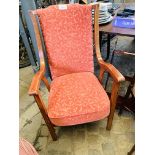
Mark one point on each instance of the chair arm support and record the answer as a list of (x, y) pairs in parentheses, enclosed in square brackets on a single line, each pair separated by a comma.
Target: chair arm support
[(35, 84), (115, 74)]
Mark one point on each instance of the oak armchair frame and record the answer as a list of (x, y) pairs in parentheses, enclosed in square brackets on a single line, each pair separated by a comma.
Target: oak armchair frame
[(39, 76)]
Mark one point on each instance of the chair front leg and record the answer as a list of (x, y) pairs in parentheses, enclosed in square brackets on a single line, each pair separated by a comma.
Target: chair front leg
[(43, 111), (113, 100)]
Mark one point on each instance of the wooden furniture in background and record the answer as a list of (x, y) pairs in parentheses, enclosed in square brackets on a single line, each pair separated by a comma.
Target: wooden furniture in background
[(123, 102), (109, 29), (127, 102)]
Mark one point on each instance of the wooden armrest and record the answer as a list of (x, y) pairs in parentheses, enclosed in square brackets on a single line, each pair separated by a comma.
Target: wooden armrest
[(35, 84), (115, 74)]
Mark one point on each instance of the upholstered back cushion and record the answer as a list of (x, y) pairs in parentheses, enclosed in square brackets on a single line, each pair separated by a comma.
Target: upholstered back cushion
[(67, 32)]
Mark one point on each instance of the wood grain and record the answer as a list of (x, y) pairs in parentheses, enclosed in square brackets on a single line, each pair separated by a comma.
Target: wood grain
[(35, 85)]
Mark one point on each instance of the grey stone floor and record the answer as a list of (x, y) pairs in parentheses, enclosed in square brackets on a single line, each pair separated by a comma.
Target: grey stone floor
[(86, 139)]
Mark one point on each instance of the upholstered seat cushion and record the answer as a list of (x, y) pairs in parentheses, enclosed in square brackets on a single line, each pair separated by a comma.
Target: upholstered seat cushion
[(77, 98)]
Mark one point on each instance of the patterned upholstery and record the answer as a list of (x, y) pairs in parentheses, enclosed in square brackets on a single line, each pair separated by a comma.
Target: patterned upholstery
[(77, 98), (25, 148), (68, 38)]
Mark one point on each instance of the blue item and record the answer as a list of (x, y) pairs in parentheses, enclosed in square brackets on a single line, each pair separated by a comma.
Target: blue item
[(128, 22)]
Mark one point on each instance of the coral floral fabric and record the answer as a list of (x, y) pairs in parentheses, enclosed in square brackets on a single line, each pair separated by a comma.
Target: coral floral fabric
[(25, 148), (68, 38), (77, 98)]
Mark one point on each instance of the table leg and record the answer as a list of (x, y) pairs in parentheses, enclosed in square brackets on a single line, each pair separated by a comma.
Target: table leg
[(111, 61), (128, 102), (108, 44), (108, 47), (100, 40)]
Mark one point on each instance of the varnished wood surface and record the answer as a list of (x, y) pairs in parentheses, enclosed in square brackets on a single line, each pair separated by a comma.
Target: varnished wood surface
[(109, 28), (34, 88), (44, 113), (114, 73)]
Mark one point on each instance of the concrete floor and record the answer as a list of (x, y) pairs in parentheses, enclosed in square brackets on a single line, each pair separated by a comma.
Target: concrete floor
[(86, 139)]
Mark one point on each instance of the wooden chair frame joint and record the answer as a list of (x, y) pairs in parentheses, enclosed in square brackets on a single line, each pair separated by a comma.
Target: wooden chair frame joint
[(34, 87)]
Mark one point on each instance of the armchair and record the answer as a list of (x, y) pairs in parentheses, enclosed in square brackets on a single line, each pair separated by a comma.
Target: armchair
[(76, 96)]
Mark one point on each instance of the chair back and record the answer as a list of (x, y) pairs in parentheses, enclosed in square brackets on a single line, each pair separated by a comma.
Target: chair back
[(67, 32)]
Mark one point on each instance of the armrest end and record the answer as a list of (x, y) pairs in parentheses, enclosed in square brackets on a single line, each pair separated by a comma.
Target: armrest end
[(35, 84)]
